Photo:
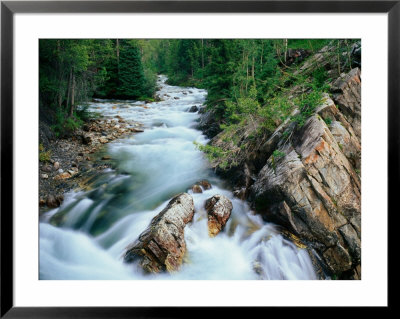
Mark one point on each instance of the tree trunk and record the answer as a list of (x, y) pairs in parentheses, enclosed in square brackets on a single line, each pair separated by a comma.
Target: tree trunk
[(202, 54), (69, 89), (118, 58), (286, 46), (72, 94)]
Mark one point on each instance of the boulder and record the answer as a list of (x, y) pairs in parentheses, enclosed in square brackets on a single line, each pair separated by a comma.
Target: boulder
[(314, 191), (209, 123), (219, 209), (205, 184), (161, 246), (194, 109), (347, 95), (51, 202), (196, 189)]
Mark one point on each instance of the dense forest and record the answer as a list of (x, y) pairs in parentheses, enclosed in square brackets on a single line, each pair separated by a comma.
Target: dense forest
[(241, 76)]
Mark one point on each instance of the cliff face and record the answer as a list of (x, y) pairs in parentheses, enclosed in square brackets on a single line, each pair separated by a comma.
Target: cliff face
[(313, 188)]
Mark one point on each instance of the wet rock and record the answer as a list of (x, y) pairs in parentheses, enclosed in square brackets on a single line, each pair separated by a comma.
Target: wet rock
[(240, 193), (196, 189), (205, 184), (106, 157), (219, 209), (52, 202), (161, 246), (136, 130), (194, 109), (176, 98), (209, 124)]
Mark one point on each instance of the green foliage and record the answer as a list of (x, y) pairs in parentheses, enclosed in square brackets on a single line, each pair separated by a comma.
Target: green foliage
[(44, 156), (278, 154), (64, 124), (212, 152), (328, 121), (307, 104)]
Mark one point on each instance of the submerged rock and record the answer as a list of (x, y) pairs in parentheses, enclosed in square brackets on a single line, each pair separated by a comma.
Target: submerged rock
[(219, 209), (162, 245)]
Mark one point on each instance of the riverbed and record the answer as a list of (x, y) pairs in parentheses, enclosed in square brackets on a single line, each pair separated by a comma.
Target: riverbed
[(86, 237)]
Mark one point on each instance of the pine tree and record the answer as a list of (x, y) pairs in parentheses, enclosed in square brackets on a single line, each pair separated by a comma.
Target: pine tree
[(131, 76)]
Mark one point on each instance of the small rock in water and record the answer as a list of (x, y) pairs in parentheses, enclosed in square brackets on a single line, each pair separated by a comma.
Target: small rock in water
[(205, 184), (52, 202), (219, 209), (196, 189), (176, 98), (106, 157), (193, 109)]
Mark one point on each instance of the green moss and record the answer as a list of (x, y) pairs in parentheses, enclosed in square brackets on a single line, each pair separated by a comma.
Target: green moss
[(328, 121), (44, 156)]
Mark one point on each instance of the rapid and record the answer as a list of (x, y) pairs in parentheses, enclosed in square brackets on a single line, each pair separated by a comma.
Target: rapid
[(95, 226)]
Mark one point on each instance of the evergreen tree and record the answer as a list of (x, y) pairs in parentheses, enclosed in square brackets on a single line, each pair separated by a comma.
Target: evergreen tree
[(130, 77)]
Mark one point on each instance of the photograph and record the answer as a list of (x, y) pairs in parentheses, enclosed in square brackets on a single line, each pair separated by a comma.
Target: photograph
[(199, 159)]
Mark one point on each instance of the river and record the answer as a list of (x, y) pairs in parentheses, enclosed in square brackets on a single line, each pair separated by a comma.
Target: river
[(94, 227)]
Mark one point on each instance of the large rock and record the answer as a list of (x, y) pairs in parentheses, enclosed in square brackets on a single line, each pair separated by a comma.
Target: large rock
[(209, 123), (219, 209), (162, 245), (347, 95), (314, 191)]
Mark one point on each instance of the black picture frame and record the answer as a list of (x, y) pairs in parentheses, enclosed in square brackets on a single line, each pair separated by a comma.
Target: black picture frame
[(9, 8)]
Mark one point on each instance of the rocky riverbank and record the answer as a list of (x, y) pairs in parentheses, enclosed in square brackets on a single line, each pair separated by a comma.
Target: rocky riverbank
[(306, 179), (66, 163)]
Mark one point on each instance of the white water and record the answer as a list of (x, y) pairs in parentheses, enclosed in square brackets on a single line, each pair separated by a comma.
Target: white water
[(157, 164)]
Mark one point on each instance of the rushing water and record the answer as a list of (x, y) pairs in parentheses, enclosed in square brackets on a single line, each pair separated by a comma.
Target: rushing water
[(94, 227)]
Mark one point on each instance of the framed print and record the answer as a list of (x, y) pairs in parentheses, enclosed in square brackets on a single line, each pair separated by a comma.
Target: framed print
[(163, 155)]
